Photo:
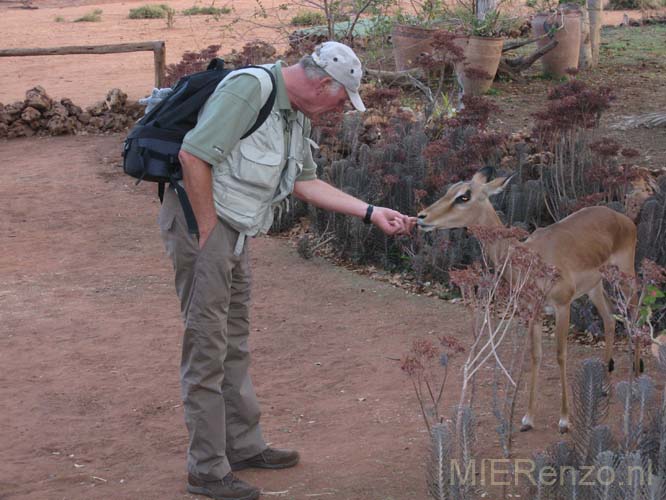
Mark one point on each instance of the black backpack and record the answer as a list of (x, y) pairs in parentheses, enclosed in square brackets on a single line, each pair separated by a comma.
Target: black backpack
[(151, 149)]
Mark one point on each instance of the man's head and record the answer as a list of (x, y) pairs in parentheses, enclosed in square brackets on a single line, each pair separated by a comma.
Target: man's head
[(340, 62), (325, 81)]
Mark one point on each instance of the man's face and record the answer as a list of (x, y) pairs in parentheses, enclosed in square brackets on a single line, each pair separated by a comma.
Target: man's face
[(323, 100)]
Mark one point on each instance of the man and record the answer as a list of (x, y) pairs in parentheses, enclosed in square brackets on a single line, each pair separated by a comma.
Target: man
[(233, 185)]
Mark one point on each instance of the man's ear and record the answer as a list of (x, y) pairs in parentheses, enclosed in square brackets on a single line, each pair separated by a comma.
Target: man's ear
[(323, 84), (497, 185)]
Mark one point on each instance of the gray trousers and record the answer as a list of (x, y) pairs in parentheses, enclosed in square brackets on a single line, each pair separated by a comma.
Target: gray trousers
[(221, 408)]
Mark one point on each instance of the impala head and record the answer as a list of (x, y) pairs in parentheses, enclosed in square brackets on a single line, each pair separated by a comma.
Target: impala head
[(464, 203)]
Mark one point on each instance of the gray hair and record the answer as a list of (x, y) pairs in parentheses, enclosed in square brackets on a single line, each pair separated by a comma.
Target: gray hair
[(315, 72)]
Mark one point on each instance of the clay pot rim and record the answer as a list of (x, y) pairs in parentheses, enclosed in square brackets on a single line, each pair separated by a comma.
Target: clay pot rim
[(478, 37)]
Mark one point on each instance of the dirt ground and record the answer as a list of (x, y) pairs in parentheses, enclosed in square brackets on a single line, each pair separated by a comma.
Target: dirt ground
[(90, 341)]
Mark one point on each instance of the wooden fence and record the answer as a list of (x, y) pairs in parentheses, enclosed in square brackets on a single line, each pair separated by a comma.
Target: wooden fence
[(158, 48)]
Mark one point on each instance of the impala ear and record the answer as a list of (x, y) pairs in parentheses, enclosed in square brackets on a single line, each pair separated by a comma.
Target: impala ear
[(496, 186), (484, 175)]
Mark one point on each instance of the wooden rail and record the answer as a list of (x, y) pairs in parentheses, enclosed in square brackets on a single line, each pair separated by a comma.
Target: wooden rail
[(158, 48)]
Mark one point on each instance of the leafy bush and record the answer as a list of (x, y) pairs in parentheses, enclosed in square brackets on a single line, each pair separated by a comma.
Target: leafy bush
[(206, 11), (59, 19), (635, 4), (191, 62), (308, 18), (91, 17), (150, 12)]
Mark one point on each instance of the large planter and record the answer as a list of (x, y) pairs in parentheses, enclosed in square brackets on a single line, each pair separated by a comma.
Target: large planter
[(565, 55), (481, 58), (409, 42)]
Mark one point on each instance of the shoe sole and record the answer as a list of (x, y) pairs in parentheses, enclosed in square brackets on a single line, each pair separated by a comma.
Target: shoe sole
[(199, 490), (244, 465)]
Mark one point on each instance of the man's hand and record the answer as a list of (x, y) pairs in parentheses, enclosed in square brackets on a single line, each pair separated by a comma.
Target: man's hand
[(199, 186), (204, 233), (391, 222)]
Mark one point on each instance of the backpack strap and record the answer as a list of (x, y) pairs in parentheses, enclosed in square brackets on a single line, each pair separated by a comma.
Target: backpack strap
[(192, 226), (268, 93)]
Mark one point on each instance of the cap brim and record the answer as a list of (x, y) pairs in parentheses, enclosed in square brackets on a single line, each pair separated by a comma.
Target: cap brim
[(355, 99)]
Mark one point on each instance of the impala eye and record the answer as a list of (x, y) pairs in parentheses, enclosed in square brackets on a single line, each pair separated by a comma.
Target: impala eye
[(463, 198)]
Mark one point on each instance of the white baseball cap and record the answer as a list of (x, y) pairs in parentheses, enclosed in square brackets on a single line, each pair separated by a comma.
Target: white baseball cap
[(341, 63)]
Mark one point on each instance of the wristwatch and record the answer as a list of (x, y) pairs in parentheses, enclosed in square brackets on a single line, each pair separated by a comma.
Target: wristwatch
[(368, 214)]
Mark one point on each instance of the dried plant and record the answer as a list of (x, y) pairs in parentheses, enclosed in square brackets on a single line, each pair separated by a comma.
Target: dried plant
[(191, 62), (439, 462), (595, 465), (590, 406)]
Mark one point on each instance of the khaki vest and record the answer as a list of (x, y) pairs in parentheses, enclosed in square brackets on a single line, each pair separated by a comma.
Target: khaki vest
[(254, 177)]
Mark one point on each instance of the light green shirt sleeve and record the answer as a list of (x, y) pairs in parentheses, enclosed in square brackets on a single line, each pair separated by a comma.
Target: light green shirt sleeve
[(309, 171), (229, 113)]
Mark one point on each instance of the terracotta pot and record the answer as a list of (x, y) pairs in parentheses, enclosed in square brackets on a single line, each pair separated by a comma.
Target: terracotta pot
[(409, 42), (481, 57), (565, 55)]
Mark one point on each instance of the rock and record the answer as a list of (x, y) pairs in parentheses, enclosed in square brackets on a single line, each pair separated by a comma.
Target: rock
[(116, 100), (72, 124), (38, 125), (95, 124), (98, 109), (57, 126), (36, 97), (72, 108), (19, 129), (57, 110), (134, 109), (115, 122), (4, 128), (30, 115), (14, 110), (84, 118)]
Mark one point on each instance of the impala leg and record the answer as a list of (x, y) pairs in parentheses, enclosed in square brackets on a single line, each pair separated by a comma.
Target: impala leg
[(562, 314), (536, 355), (600, 301)]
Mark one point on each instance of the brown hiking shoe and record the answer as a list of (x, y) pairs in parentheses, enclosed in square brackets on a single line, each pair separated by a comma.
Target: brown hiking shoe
[(227, 488), (270, 458)]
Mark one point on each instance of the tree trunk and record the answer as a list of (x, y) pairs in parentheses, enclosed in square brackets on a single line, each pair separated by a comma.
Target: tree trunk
[(483, 7), (595, 8), (585, 57)]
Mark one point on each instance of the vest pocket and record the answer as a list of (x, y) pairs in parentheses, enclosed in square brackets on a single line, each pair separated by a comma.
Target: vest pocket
[(259, 167)]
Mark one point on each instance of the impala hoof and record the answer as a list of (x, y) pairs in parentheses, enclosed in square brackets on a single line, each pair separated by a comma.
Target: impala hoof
[(564, 426), (527, 424)]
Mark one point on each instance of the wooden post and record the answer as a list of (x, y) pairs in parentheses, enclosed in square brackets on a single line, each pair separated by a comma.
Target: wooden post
[(595, 8), (585, 54), (159, 53)]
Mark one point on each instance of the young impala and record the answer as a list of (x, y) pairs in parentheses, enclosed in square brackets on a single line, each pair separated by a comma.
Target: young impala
[(578, 246)]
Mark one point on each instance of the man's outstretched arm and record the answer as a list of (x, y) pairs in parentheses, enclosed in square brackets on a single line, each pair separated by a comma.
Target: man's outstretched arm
[(323, 195)]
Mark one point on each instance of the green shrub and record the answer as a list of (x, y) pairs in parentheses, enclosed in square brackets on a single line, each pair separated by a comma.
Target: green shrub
[(59, 19), (206, 11), (635, 4), (308, 18), (91, 17), (149, 12)]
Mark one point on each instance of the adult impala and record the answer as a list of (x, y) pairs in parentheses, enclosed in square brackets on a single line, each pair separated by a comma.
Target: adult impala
[(578, 246)]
